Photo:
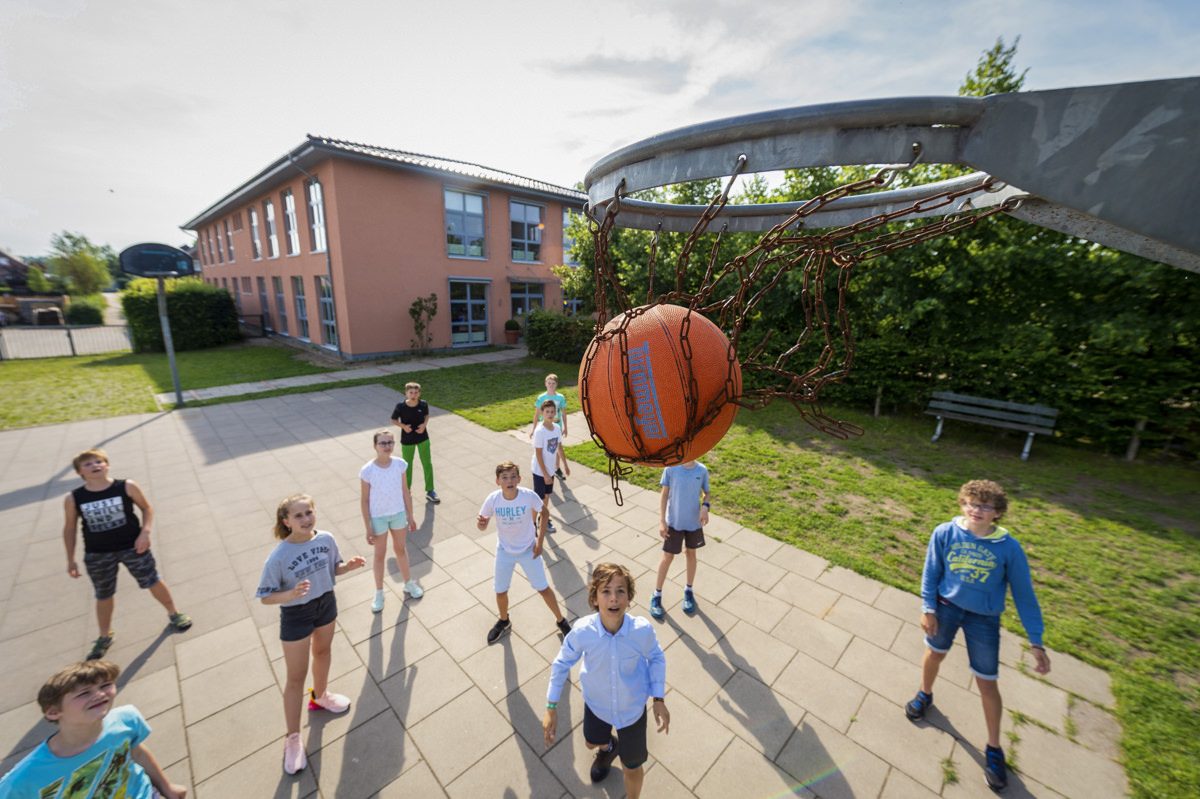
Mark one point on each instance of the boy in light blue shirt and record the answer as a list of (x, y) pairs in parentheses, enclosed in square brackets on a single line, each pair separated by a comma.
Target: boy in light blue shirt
[(683, 512), (970, 564), (623, 666)]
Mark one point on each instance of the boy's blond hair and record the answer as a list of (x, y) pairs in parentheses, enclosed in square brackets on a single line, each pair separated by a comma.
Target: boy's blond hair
[(984, 492), (501, 468), (600, 577), (407, 386), (551, 376), (282, 531), (74, 677), (87, 455)]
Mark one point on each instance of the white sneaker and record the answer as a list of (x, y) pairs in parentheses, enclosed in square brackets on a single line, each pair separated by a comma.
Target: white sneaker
[(293, 754), (377, 605), (415, 591), (334, 703)]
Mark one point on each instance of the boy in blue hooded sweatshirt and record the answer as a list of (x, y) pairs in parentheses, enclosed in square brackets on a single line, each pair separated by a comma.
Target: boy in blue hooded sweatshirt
[(970, 564)]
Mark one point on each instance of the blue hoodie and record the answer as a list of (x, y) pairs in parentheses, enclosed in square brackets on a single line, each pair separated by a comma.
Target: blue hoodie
[(973, 572)]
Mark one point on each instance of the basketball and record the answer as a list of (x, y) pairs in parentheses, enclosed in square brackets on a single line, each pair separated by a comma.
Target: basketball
[(661, 375)]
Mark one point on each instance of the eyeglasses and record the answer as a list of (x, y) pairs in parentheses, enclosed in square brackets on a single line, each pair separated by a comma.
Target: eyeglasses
[(386, 443), (980, 508)]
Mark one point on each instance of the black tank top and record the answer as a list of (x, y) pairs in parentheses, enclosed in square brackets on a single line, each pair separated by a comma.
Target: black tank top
[(109, 523)]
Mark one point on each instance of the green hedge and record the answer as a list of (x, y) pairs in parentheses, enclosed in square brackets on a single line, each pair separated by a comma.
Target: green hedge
[(556, 337), (86, 309), (201, 315)]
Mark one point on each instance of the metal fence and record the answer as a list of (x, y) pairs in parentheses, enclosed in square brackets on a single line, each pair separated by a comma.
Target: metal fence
[(54, 342)]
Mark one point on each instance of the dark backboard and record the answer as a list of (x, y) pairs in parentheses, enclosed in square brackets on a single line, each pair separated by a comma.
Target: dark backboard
[(156, 260)]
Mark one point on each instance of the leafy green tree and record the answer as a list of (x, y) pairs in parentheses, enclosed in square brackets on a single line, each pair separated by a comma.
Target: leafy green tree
[(84, 265), (37, 282)]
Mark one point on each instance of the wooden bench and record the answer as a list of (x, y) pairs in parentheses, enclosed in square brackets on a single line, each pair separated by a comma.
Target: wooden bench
[(1031, 419)]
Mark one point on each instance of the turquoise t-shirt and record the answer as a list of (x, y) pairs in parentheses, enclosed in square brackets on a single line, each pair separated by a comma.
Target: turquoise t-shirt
[(559, 400), (104, 769)]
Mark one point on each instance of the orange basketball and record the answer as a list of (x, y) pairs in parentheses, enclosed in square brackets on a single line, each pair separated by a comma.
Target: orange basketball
[(660, 379)]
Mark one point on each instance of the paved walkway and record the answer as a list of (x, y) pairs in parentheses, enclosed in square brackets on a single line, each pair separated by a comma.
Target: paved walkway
[(167, 399), (789, 679)]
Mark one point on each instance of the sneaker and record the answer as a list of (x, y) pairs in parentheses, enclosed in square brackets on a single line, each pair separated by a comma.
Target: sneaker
[(689, 601), (377, 603), (432, 497), (293, 754), (563, 625), (916, 707), (415, 591), (603, 760), (995, 770), (334, 703), (180, 621), (550, 528), (100, 646), (656, 608), (501, 627), (558, 473)]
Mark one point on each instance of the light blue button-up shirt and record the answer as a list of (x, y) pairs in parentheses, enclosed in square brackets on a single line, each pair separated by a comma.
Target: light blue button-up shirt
[(620, 672)]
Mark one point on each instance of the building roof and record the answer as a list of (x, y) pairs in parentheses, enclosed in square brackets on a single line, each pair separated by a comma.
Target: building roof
[(318, 148), (13, 265)]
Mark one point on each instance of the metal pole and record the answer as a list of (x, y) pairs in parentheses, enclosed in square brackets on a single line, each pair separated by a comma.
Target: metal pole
[(167, 340)]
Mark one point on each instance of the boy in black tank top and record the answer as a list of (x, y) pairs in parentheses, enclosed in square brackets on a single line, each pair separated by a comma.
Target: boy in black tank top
[(112, 534)]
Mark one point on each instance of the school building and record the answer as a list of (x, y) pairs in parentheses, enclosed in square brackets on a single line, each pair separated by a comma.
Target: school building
[(334, 241)]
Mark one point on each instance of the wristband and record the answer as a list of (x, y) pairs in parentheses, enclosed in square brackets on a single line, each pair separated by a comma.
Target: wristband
[(551, 705), (706, 504), (659, 699)]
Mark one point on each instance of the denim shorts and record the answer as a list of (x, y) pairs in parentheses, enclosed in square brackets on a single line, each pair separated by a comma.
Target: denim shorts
[(633, 738), (982, 634), (506, 562), (396, 521), (297, 622)]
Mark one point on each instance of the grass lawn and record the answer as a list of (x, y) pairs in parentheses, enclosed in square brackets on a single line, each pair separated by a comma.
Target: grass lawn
[(1115, 547), (51, 390)]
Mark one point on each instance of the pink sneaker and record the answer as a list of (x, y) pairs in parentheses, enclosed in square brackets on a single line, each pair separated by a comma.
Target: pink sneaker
[(334, 703), (293, 754)]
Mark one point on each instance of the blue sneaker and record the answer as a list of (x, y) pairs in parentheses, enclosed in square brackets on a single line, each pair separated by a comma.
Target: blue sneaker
[(995, 770), (916, 707), (656, 608), (689, 601)]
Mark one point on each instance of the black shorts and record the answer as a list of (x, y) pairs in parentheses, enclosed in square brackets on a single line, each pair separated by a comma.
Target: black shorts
[(541, 487), (633, 738), (297, 622), (102, 569), (675, 539)]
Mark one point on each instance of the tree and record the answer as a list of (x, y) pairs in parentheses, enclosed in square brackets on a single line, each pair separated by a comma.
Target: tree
[(37, 281), (84, 265)]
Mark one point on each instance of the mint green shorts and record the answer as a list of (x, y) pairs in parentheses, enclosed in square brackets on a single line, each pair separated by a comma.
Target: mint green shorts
[(397, 521)]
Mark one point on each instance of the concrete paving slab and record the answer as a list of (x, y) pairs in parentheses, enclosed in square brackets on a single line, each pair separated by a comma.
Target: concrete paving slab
[(752, 687)]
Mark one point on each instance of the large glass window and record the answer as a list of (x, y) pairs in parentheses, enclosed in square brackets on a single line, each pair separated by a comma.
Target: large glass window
[(301, 308), (272, 232), (264, 305), (289, 222), (255, 239), (214, 243), (316, 217), (228, 241), (325, 308), (526, 297), (280, 304), (468, 313), (526, 223), (464, 224)]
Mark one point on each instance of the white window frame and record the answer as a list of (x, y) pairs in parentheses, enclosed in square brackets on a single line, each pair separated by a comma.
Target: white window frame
[(289, 222), (272, 229), (462, 216), (301, 309), (228, 240), (255, 239), (329, 332), (318, 237), (526, 249), (280, 304)]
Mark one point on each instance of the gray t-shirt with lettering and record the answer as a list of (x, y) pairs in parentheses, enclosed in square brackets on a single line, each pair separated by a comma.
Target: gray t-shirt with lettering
[(288, 564)]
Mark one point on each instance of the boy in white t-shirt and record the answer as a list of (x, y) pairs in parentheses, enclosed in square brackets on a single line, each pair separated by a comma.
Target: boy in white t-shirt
[(517, 542), (547, 454)]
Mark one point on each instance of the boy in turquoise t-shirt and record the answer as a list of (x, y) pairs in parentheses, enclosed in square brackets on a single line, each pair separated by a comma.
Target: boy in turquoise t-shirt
[(551, 393), (970, 565)]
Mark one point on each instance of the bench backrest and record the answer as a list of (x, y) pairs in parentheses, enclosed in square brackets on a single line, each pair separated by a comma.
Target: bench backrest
[(965, 405)]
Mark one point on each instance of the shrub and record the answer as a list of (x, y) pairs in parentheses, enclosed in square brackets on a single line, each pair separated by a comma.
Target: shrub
[(201, 315), (557, 337), (86, 309)]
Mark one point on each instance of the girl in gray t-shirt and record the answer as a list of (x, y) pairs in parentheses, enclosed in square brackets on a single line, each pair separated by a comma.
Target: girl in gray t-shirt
[(298, 576)]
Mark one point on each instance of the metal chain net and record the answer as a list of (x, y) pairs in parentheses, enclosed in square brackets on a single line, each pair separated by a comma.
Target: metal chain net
[(825, 260)]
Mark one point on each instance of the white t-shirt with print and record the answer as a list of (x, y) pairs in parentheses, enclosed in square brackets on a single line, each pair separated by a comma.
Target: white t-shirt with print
[(548, 441), (516, 519)]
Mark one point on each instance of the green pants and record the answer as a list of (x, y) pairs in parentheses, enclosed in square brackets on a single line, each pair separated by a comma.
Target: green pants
[(406, 452)]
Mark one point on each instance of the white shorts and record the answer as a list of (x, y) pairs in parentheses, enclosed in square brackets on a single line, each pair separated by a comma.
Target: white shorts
[(506, 562)]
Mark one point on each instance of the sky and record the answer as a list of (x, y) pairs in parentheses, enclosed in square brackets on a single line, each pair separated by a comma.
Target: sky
[(123, 119)]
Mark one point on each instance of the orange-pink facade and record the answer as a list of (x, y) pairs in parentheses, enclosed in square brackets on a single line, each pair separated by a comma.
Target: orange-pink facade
[(391, 234)]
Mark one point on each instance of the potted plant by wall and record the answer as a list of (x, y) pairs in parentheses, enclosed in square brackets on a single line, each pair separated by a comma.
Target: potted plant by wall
[(512, 332)]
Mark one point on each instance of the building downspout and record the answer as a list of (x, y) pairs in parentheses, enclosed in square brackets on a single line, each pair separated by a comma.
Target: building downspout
[(328, 260)]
